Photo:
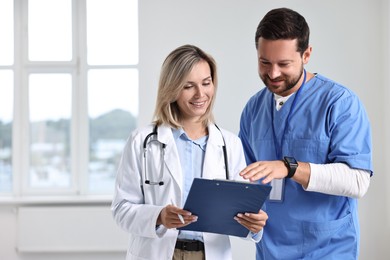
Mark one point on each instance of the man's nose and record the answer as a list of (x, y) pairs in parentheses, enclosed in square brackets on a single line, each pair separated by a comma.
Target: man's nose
[(274, 72)]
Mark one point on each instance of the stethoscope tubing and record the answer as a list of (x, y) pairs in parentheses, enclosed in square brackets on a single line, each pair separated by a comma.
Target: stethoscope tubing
[(154, 133)]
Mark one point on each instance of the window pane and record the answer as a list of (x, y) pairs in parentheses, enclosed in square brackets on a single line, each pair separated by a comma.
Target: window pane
[(6, 32), (6, 114), (112, 32), (50, 113), (113, 109), (50, 30)]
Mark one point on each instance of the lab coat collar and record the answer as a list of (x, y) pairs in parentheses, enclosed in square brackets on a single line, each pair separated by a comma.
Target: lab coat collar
[(165, 135), (215, 136), (213, 156), (214, 165), (172, 161)]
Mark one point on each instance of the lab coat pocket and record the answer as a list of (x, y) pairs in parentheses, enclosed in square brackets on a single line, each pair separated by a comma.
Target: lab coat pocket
[(133, 251), (152, 248), (335, 239)]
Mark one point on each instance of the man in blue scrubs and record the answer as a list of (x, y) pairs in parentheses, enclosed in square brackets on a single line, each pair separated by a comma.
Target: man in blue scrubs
[(310, 138)]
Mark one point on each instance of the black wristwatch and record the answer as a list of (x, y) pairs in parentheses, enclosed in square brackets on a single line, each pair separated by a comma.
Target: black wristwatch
[(291, 165)]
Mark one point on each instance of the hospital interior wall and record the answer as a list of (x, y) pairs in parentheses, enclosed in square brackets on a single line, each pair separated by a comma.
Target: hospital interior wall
[(348, 46)]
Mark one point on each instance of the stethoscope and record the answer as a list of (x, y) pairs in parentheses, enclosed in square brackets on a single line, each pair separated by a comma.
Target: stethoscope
[(149, 139)]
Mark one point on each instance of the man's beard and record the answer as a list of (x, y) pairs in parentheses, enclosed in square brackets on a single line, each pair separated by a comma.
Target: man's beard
[(290, 82)]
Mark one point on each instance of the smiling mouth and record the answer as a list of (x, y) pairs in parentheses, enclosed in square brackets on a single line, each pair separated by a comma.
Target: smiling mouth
[(276, 80), (275, 83), (198, 104)]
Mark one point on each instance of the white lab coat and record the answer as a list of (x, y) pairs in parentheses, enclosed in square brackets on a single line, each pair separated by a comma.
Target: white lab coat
[(136, 205)]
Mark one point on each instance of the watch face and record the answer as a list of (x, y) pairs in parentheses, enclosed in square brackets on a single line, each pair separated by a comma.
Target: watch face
[(290, 160)]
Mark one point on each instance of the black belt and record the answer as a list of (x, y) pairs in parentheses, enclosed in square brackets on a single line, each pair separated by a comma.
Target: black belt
[(189, 245)]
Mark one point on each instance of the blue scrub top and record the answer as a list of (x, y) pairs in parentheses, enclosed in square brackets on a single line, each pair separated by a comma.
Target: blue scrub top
[(328, 124)]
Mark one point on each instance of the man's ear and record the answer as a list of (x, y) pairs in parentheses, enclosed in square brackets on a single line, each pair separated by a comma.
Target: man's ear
[(306, 55)]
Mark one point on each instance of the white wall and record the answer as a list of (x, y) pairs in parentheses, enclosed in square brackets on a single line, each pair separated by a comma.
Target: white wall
[(350, 44), (47, 229)]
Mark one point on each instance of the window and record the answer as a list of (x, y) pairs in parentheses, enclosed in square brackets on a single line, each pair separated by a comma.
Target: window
[(6, 93), (6, 97), (69, 93)]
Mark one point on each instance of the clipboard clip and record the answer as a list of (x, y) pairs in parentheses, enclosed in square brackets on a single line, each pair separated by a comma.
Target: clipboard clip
[(231, 181)]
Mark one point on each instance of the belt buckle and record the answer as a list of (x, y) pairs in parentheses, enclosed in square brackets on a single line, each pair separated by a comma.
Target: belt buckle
[(189, 245)]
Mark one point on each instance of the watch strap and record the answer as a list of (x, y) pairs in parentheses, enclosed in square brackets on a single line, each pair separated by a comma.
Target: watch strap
[(292, 167)]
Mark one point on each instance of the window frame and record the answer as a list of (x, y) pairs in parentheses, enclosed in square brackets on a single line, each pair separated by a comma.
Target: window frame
[(78, 68)]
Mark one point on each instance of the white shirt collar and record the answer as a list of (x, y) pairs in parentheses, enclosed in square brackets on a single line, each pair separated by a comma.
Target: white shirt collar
[(279, 100)]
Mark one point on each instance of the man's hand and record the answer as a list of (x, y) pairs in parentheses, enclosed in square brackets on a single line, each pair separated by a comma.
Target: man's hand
[(269, 170), (265, 170)]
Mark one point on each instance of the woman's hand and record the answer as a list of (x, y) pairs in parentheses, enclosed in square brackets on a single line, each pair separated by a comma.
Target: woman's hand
[(254, 222), (169, 217)]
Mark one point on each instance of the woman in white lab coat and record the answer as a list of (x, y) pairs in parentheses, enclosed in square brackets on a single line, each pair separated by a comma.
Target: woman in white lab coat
[(160, 161)]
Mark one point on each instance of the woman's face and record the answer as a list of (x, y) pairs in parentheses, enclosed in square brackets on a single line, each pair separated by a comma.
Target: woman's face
[(198, 91)]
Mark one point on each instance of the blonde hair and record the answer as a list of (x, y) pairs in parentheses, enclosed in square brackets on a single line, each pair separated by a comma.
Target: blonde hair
[(174, 72)]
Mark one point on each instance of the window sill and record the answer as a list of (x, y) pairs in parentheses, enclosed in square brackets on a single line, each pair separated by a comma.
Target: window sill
[(104, 200)]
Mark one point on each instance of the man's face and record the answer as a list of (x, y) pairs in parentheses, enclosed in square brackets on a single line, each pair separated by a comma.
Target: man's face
[(281, 65)]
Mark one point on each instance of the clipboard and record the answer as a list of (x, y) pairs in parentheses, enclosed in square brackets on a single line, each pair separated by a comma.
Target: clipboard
[(216, 202)]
